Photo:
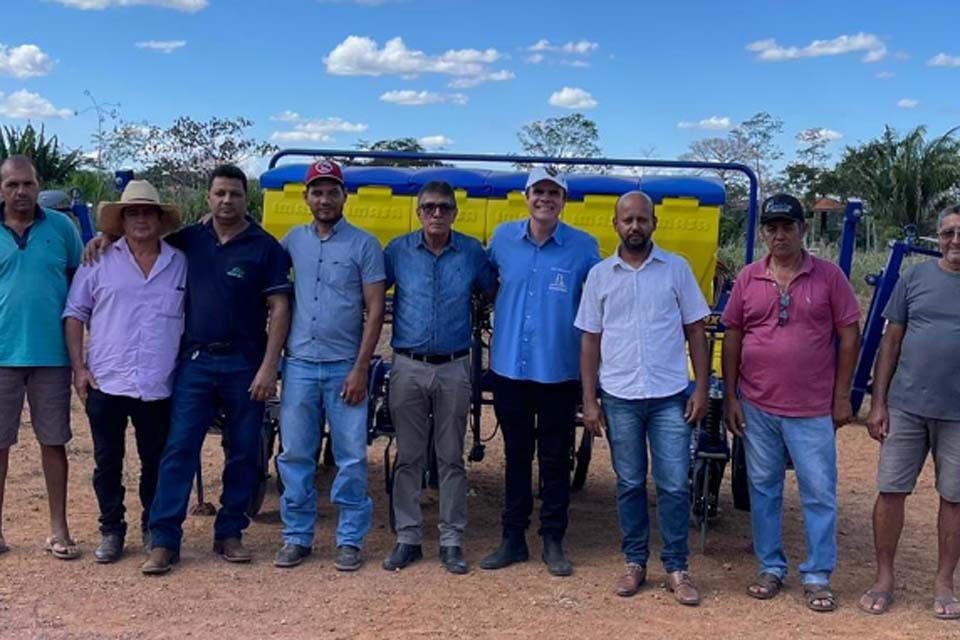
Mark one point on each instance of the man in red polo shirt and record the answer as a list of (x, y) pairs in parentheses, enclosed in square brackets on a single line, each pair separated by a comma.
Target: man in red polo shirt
[(788, 388)]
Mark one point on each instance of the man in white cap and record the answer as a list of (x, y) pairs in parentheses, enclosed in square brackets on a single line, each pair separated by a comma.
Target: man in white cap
[(542, 265), (132, 302)]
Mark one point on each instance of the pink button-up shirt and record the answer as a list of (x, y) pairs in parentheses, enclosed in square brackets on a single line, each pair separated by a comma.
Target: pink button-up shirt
[(135, 321), (789, 370)]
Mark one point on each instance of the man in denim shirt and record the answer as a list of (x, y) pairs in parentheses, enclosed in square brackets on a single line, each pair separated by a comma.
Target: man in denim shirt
[(338, 274), (436, 271)]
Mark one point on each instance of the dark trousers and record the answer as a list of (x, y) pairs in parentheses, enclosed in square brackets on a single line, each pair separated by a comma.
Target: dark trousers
[(536, 417), (108, 417), (205, 383)]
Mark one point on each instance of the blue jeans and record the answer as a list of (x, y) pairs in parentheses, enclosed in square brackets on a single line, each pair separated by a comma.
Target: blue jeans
[(310, 391), (811, 443), (629, 424), (203, 385)]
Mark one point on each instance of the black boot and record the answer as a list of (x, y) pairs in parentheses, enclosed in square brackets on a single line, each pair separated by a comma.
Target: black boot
[(513, 548), (555, 558)]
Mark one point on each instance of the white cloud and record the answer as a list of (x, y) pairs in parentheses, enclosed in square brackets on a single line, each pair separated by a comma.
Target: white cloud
[(713, 123), (472, 81), (572, 98), (161, 46), (944, 60), (24, 61), (434, 142), (286, 116), (907, 103), (411, 98), (362, 56), (313, 129), (769, 51), (189, 6), (25, 105), (821, 133), (581, 47), (540, 49), (884, 75)]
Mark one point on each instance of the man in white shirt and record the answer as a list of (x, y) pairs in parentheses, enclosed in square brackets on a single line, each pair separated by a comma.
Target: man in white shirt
[(638, 307)]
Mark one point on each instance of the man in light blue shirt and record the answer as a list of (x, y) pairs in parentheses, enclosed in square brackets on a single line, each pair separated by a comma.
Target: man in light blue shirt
[(39, 251), (338, 274), (542, 264), (436, 271)]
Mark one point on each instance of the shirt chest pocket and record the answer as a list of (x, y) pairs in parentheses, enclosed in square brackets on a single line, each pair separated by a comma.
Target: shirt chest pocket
[(341, 274), (169, 304), (813, 304)]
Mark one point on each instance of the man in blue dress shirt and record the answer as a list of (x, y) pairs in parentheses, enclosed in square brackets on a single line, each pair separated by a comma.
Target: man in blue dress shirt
[(542, 264), (435, 271)]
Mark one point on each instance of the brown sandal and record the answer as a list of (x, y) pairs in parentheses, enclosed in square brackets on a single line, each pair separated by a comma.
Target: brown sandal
[(765, 586), (819, 592)]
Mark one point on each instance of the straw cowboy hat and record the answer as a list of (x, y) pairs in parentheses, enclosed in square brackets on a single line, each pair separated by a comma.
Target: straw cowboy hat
[(137, 193)]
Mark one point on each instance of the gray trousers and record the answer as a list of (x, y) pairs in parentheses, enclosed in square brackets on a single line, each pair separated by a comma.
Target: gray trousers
[(416, 390)]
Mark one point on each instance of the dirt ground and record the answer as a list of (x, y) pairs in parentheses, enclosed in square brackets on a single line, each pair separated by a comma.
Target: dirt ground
[(205, 597)]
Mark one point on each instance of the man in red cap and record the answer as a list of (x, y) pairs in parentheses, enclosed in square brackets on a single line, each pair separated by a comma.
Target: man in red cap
[(337, 315)]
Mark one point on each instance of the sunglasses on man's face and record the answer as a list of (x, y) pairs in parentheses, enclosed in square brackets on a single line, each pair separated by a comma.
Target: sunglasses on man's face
[(442, 208), (953, 233), (784, 314)]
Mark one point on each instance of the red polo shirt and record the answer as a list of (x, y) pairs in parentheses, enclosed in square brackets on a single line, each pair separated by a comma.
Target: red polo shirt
[(789, 370)]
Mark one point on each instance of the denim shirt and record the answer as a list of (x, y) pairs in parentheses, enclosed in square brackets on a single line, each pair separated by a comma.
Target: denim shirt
[(328, 279), (431, 302)]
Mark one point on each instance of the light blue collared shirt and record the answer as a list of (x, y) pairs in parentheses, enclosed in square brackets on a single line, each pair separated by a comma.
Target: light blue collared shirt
[(328, 280), (533, 334), (431, 302)]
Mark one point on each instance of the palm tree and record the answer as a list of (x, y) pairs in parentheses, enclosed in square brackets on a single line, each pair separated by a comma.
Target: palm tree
[(902, 180), (54, 164)]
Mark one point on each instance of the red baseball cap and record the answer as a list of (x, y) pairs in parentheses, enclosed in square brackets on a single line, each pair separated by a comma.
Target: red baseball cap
[(324, 169)]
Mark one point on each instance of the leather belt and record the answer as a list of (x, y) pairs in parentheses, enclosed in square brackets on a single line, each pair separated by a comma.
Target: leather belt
[(431, 358)]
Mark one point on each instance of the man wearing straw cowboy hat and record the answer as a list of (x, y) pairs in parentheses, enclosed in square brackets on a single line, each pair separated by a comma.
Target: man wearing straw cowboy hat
[(132, 301), (237, 277)]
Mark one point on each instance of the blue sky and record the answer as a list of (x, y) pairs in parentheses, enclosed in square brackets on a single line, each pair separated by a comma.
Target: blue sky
[(465, 76)]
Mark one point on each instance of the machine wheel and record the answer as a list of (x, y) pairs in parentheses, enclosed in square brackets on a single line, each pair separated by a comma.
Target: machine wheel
[(582, 461), (738, 476)]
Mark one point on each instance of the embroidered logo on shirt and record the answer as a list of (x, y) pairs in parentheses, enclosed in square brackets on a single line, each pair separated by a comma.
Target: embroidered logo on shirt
[(558, 284), (237, 272)]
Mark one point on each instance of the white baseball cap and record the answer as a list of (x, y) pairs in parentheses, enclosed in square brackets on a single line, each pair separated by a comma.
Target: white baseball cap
[(539, 174)]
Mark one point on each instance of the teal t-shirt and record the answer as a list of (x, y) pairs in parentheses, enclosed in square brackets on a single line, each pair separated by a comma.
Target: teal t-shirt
[(33, 289)]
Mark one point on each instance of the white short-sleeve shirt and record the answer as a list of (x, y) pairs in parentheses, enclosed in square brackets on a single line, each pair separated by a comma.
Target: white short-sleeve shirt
[(640, 315)]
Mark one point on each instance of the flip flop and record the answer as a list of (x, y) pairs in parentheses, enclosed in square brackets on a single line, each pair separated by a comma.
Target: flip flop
[(62, 548), (876, 596), (944, 602)]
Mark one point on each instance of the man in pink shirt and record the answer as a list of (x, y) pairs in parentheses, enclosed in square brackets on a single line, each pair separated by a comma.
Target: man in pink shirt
[(788, 389), (132, 301)]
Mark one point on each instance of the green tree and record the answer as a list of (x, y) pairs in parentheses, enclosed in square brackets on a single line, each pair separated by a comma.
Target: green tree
[(407, 145), (756, 137), (53, 162), (572, 136), (184, 153), (902, 180)]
